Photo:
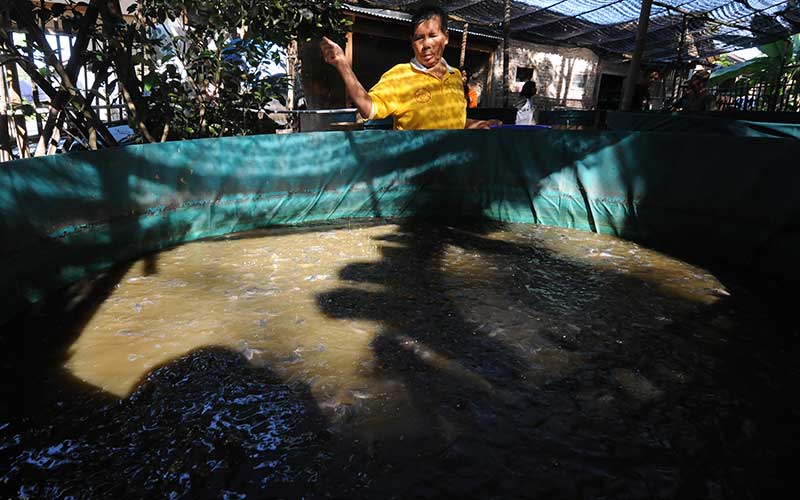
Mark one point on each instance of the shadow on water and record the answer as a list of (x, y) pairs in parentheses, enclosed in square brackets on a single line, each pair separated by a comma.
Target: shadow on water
[(618, 390), (206, 425), (614, 389), (599, 400)]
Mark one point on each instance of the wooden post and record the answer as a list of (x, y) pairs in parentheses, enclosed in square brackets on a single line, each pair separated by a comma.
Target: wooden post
[(463, 46), (506, 35), (489, 89), (5, 121), (636, 61), (348, 54), (598, 77), (5, 104), (678, 62), (291, 74)]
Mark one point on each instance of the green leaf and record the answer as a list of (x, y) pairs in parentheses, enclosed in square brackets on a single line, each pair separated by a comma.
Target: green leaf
[(775, 49), (149, 81), (720, 75)]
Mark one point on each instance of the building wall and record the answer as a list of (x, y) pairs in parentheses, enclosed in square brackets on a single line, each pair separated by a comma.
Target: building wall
[(565, 77)]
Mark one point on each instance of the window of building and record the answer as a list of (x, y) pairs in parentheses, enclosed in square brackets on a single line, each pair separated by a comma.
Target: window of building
[(580, 80), (523, 74)]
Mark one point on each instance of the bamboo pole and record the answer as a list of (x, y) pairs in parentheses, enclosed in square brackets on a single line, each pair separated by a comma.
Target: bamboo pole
[(506, 36), (679, 62), (463, 46)]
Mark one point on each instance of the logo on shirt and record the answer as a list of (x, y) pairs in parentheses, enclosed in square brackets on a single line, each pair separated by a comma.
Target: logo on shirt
[(422, 95)]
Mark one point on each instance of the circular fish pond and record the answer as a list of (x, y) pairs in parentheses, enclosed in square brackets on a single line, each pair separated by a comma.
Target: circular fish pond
[(399, 360)]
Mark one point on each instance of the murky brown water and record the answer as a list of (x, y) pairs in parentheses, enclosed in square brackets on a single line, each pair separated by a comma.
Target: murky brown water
[(399, 361)]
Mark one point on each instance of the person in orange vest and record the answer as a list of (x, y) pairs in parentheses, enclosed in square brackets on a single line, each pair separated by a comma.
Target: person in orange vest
[(469, 92)]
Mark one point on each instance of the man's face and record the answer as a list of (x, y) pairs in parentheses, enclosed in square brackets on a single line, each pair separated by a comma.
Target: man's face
[(429, 42)]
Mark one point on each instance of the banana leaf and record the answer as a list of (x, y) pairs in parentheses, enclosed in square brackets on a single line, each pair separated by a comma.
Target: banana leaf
[(720, 75)]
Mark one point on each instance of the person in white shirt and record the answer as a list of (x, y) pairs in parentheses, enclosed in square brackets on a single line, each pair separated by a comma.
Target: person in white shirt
[(526, 107)]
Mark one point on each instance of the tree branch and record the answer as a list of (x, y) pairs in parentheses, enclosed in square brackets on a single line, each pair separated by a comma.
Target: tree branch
[(76, 61), (27, 21), (126, 75)]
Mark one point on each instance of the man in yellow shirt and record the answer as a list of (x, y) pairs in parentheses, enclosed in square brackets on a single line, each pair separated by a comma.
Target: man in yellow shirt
[(426, 93)]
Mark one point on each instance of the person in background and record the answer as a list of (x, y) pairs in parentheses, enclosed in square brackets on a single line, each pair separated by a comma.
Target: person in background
[(696, 97), (641, 94), (425, 93), (526, 107), (469, 92)]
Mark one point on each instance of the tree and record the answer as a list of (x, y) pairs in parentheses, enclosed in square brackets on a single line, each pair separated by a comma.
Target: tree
[(55, 79), (209, 78), (185, 69)]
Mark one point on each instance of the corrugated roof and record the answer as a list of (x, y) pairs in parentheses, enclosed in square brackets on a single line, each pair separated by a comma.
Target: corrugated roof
[(609, 26)]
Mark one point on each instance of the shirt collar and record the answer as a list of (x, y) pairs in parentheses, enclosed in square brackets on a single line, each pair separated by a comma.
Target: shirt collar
[(418, 66)]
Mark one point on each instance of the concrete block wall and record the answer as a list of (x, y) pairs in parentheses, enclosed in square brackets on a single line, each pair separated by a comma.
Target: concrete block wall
[(565, 77)]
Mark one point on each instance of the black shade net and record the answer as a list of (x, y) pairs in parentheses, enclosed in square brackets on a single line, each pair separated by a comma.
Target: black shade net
[(609, 26)]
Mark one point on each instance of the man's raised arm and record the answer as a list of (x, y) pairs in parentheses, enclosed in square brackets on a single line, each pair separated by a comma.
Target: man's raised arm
[(334, 55)]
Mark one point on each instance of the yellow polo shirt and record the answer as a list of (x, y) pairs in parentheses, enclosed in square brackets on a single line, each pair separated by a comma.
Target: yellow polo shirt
[(419, 100)]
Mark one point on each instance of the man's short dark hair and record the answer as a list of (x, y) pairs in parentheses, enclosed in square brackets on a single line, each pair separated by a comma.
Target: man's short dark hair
[(428, 12)]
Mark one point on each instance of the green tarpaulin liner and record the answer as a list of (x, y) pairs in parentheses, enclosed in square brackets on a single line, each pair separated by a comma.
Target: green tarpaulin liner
[(570, 118), (728, 200), (700, 124), (758, 116)]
